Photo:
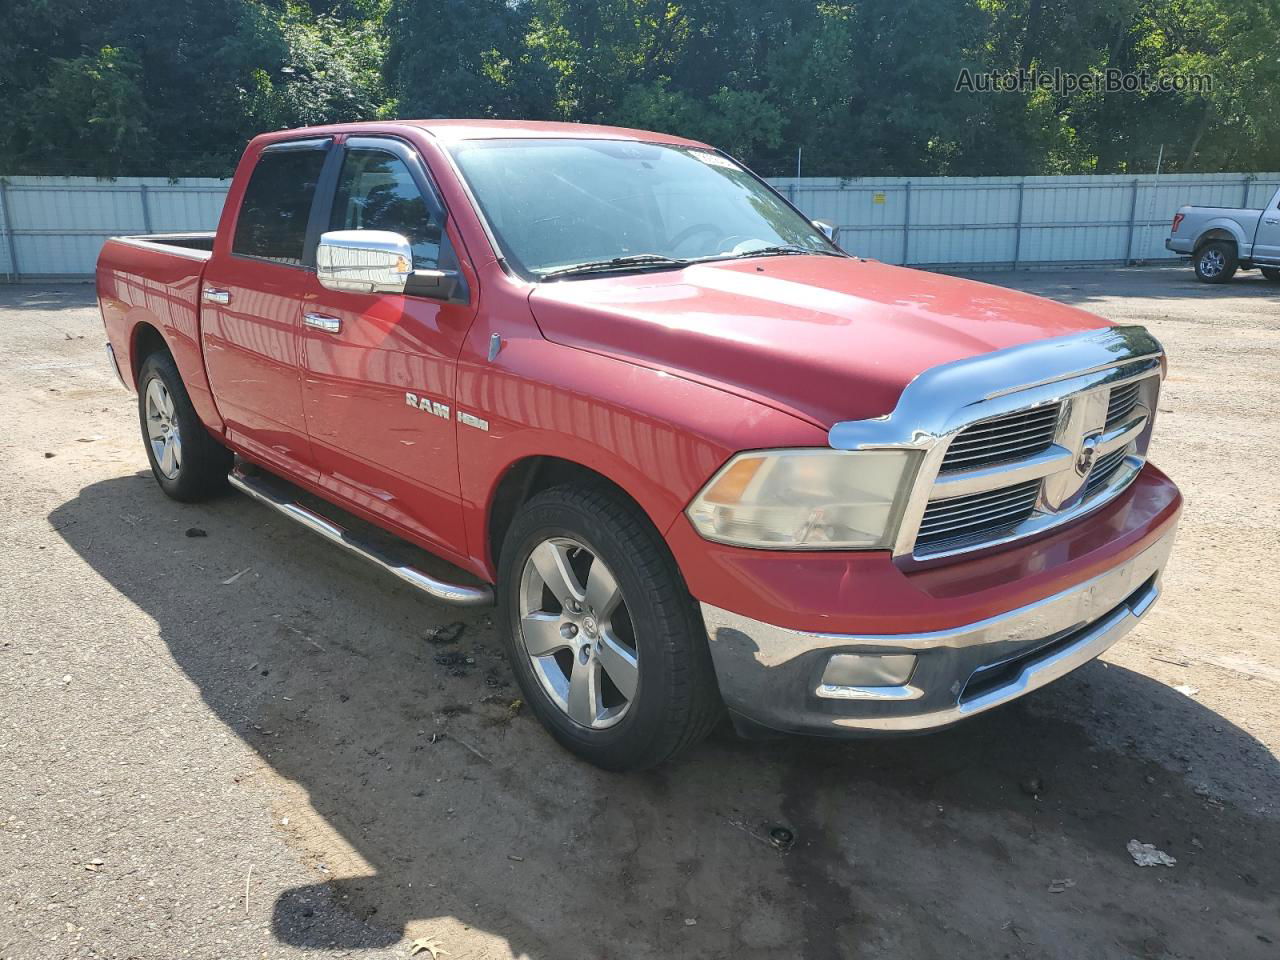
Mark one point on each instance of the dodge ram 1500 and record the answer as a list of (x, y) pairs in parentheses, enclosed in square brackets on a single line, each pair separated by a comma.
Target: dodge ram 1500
[(701, 458)]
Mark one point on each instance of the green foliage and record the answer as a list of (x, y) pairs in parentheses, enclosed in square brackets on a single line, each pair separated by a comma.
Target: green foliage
[(741, 122), (865, 87), (94, 97), (330, 72), (463, 58), (114, 87)]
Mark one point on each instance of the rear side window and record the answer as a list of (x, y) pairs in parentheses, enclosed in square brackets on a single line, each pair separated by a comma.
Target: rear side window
[(277, 203)]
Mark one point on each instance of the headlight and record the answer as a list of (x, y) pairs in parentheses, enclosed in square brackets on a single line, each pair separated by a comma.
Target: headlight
[(807, 499)]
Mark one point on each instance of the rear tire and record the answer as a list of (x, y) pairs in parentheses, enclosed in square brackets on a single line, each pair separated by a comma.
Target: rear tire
[(187, 462), (646, 633), (1215, 262), (1271, 273)]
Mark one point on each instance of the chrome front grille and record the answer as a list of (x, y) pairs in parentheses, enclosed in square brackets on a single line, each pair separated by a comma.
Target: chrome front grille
[(1122, 401), (1104, 468), (1018, 441), (979, 515), (1017, 472), (1001, 439)]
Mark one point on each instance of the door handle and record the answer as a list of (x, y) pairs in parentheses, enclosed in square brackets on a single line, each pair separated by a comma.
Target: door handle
[(322, 321), (217, 296), (1273, 221)]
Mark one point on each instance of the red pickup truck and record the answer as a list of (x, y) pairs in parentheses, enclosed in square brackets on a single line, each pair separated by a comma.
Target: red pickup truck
[(699, 456)]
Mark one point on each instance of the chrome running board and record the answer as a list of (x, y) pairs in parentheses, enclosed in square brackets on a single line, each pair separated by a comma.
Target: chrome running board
[(455, 593)]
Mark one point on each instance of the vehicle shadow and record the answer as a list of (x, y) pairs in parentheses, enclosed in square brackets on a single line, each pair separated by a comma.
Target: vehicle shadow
[(62, 295), (439, 803)]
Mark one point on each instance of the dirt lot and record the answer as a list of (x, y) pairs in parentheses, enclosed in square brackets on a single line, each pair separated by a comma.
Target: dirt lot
[(242, 745)]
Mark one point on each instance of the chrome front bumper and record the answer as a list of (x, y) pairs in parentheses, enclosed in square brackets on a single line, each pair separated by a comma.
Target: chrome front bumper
[(774, 677)]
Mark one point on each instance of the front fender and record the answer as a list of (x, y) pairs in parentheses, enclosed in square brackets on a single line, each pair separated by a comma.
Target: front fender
[(657, 436)]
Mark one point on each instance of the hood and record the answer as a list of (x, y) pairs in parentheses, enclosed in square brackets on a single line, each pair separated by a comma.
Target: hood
[(824, 338)]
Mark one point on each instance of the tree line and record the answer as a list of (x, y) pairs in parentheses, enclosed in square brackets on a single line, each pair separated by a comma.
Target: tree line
[(854, 87)]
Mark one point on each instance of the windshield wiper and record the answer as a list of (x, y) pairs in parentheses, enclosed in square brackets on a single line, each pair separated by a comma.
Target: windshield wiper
[(785, 249), (617, 263)]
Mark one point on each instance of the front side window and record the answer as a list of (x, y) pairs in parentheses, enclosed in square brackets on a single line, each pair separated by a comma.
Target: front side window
[(277, 204), (553, 204), (377, 192)]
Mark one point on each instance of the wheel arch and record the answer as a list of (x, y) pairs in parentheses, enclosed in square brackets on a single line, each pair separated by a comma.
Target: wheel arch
[(148, 334), (1219, 231), (144, 340), (528, 476)]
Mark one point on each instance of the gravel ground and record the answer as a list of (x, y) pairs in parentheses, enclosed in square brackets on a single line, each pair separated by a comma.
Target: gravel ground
[(244, 745)]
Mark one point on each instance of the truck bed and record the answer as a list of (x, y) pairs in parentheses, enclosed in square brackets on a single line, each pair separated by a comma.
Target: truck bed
[(187, 243), (149, 284)]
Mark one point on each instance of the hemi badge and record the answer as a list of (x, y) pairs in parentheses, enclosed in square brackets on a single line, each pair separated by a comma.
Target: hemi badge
[(472, 421)]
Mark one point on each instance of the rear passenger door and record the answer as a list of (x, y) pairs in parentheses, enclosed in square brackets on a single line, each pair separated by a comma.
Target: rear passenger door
[(249, 309), (378, 368)]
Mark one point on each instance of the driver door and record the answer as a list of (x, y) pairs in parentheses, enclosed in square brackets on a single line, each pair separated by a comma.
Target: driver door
[(379, 369)]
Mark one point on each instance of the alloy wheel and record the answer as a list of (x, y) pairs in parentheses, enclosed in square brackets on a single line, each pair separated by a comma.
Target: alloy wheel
[(1212, 263), (577, 632), (162, 429)]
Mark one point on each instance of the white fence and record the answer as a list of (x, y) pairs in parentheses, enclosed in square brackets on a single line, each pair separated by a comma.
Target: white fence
[(1016, 221), (54, 226)]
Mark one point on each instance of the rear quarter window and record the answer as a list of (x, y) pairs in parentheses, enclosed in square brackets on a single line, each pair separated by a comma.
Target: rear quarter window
[(272, 224)]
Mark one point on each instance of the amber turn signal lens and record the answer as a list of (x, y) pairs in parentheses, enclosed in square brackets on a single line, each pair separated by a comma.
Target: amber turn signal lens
[(732, 484)]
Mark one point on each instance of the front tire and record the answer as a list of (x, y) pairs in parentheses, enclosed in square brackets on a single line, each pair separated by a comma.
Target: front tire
[(1271, 273), (186, 461), (1216, 262), (607, 645)]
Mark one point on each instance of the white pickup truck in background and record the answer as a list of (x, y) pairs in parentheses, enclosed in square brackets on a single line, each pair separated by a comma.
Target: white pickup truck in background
[(1224, 240), (1221, 240)]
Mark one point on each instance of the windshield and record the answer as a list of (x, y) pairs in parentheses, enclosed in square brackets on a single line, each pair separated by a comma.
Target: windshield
[(555, 206)]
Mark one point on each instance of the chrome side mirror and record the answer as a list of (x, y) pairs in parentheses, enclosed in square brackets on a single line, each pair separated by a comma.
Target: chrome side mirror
[(828, 229), (378, 261), (364, 261)]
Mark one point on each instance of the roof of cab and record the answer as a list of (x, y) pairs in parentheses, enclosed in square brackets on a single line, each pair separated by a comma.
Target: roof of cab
[(455, 130)]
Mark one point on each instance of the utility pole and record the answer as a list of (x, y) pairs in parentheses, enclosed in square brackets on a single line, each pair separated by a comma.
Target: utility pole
[(1151, 206)]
